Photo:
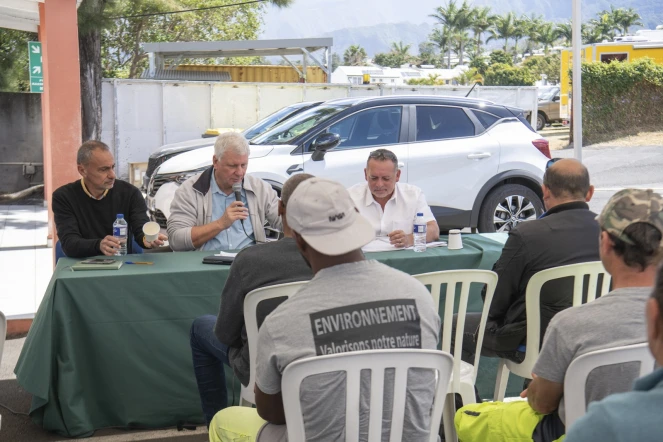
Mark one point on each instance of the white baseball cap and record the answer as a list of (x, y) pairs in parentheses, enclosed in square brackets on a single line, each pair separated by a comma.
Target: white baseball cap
[(322, 212)]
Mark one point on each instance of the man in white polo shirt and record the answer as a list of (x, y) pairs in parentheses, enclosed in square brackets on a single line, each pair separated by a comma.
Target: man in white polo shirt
[(391, 206)]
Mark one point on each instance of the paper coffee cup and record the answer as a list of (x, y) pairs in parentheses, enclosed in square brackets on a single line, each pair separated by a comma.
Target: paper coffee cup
[(455, 242), (151, 231)]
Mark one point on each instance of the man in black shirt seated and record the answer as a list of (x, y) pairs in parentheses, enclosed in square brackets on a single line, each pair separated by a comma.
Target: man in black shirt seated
[(216, 341), (86, 209)]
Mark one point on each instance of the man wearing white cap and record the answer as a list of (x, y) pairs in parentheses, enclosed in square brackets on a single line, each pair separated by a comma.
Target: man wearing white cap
[(330, 233)]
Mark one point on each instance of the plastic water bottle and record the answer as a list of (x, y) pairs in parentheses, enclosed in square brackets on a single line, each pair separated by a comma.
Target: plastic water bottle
[(120, 232), (419, 233)]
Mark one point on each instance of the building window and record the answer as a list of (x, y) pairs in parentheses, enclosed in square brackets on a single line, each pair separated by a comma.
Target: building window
[(607, 58)]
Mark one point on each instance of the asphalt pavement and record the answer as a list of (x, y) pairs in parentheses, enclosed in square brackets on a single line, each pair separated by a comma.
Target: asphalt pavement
[(614, 168)]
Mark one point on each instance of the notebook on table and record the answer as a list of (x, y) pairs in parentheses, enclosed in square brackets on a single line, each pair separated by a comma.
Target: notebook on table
[(97, 264)]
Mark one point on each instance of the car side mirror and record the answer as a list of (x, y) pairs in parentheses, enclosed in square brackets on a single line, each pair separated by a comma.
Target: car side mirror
[(556, 98), (322, 144)]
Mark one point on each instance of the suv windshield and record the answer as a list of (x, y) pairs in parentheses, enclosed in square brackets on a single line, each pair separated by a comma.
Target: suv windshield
[(297, 125), (548, 94), (269, 122)]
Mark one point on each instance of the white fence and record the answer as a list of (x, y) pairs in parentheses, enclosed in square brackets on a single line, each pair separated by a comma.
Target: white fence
[(140, 116)]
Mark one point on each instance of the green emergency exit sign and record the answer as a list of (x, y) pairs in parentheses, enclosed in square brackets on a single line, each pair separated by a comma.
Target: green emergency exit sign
[(36, 68)]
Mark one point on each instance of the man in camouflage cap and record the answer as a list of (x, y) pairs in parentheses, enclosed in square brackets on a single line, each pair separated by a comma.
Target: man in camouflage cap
[(628, 207), (630, 246)]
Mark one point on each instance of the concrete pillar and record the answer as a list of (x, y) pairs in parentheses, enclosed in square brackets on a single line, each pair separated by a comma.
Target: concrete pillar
[(61, 99)]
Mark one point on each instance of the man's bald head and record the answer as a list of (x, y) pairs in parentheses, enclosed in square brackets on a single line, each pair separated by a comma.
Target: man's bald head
[(567, 179)]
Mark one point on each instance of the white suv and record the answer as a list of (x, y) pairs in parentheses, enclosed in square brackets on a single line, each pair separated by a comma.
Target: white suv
[(479, 164)]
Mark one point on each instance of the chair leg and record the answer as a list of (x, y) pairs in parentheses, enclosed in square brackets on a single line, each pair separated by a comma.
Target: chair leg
[(448, 419), (467, 394), (501, 381)]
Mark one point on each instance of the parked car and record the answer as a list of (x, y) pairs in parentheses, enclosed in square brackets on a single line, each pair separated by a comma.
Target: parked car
[(170, 150), (479, 164), (549, 108)]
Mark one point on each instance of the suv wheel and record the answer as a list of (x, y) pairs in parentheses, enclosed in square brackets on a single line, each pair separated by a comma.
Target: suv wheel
[(540, 121), (507, 206)]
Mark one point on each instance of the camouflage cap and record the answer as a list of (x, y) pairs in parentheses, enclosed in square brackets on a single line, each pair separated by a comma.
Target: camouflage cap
[(631, 206)]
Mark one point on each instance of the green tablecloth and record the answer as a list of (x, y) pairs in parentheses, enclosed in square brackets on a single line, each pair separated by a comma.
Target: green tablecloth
[(111, 348)]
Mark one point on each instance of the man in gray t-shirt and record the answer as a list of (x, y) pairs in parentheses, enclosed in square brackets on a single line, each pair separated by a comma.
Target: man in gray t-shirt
[(350, 304), (630, 247)]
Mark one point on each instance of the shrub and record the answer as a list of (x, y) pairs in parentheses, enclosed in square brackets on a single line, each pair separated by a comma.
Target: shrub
[(499, 74), (548, 65), (621, 98), (501, 57)]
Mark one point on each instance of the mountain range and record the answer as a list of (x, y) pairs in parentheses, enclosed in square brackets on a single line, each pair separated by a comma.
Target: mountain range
[(375, 24)]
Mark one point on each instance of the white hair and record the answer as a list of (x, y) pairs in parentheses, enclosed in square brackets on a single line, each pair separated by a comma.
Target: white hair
[(231, 141)]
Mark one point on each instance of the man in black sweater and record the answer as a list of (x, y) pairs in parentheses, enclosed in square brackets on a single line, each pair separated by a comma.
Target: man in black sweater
[(566, 234), (216, 341), (85, 210)]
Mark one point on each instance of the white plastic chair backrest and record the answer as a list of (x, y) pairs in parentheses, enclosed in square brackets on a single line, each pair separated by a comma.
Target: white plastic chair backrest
[(3, 333), (580, 368), (533, 303), (352, 363), (251, 302), (465, 278)]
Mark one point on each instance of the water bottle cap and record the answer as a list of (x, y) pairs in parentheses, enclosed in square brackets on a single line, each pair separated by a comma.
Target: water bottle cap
[(420, 214), (120, 216)]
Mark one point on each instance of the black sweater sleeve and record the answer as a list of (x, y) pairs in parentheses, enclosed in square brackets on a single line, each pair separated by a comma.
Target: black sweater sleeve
[(69, 231), (138, 216)]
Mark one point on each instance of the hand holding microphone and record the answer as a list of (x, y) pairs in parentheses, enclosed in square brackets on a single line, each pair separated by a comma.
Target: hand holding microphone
[(235, 211)]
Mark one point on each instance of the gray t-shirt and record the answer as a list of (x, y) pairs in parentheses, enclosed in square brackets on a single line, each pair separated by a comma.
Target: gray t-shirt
[(358, 306), (614, 320)]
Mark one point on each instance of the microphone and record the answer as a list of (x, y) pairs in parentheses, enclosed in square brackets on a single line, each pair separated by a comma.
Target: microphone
[(237, 188)]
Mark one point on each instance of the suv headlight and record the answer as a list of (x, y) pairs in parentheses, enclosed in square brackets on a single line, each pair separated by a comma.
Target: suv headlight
[(180, 178)]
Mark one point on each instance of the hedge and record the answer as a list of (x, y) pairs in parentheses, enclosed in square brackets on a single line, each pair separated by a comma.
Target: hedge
[(500, 74), (620, 99)]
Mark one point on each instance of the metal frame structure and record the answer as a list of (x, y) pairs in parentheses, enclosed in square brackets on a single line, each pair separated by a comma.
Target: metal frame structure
[(158, 53)]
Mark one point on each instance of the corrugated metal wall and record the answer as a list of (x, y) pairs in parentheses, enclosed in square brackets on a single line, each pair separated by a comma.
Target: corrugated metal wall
[(262, 73)]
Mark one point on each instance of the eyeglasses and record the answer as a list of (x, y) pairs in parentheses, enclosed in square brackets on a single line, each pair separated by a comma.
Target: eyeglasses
[(551, 162)]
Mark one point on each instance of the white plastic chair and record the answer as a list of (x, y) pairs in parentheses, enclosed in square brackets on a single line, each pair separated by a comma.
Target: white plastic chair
[(533, 311), (464, 375), (251, 301), (352, 363), (581, 367)]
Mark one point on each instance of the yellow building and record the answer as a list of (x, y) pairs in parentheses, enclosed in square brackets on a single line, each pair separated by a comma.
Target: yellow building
[(262, 73), (605, 52)]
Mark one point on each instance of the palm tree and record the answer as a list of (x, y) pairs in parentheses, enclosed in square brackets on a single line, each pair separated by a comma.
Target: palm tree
[(520, 31), (531, 26), (442, 39), (625, 18), (482, 21), (446, 16), (459, 41), (604, 25), (504, 29), (548, 35), (401, 49), (591, 34), (354, 56), (455, 18), (564, 31)]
